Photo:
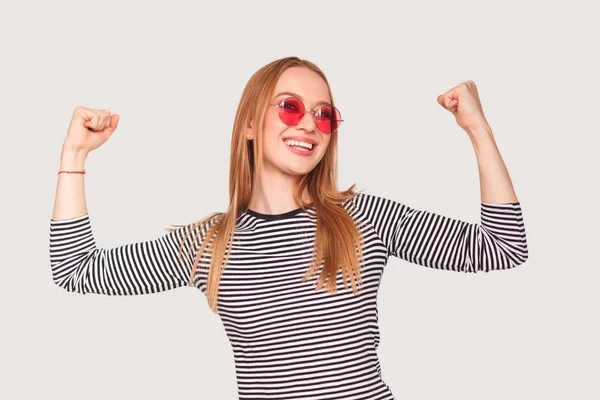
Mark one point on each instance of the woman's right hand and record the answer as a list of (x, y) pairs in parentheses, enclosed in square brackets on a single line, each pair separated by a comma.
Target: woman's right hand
[(89, 129)]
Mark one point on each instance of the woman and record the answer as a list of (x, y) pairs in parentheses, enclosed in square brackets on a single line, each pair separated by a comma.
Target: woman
[(298, 303)]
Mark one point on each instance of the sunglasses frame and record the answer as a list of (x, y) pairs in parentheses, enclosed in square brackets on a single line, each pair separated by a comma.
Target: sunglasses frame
[(312, 112)]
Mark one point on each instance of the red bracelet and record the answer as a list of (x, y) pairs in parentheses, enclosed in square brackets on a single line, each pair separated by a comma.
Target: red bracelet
[(72, 172)]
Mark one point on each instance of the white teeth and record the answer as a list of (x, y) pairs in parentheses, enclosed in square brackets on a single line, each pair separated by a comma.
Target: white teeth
[(297, 143)]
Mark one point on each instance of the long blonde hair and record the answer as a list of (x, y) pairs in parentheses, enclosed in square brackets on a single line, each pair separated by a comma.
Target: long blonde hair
[(338, 240)]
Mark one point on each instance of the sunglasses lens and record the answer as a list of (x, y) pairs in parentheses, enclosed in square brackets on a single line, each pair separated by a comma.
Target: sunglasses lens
[(328, 119), (291, 111)]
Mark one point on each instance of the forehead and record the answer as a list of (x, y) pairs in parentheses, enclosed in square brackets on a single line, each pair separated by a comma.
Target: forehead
[(305, 82)]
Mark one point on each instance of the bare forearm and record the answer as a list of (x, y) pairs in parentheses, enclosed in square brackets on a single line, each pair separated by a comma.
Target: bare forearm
[(70, 190), (495, 183)]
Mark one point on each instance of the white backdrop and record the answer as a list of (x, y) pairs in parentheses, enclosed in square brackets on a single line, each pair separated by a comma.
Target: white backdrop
[(175, 71)]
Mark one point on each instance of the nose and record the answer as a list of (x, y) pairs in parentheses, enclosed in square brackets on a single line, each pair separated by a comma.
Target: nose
[(307, 122)]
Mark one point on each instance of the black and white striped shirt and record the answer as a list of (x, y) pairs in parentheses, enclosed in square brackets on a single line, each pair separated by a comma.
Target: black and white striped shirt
[(289, 340)]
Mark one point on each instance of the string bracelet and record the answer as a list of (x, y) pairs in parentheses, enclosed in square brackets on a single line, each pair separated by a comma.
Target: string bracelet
[(72, 172)]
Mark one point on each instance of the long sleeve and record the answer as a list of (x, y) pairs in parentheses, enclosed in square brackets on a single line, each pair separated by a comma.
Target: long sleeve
[(429, 239), (138, 268)]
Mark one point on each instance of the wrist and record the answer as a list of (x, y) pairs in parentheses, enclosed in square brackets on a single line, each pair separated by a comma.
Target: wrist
[(73, 160), (482, 131)]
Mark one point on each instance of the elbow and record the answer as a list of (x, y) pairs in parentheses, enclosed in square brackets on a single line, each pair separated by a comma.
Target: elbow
[(519, 255), (67, 279), (494, 262), (72, 272), (67, 285), (505, 262), (521, 258), (500, 255)]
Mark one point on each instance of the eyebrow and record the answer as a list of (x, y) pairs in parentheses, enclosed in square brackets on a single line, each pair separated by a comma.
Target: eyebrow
[(300, 97)]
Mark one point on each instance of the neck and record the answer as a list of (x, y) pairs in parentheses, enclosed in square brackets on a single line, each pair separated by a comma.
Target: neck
[(273, 193)]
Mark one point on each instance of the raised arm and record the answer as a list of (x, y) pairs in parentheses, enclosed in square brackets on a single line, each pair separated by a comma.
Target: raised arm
[(77, 264), (437, 241), (433, 240)]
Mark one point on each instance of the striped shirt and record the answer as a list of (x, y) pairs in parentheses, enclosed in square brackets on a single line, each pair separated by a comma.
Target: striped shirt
[(289, 340)]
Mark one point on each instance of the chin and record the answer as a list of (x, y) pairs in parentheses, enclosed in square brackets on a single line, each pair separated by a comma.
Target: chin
[(297, 171)]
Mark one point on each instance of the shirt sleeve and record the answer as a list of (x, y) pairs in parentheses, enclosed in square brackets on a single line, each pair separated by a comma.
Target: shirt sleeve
[(433, 240), (137, 268)]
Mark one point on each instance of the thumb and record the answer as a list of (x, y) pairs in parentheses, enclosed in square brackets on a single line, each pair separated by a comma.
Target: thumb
[(446, 101), (114, 121)]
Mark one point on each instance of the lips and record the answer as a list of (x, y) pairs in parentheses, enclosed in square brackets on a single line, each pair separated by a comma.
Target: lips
[(299, 152), (301, 139)]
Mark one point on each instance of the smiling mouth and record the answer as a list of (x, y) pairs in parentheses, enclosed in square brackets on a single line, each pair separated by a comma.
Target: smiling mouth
[(299, 147)]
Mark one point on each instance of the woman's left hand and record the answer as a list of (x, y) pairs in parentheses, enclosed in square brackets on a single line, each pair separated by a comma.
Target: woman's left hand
[(463, 102)]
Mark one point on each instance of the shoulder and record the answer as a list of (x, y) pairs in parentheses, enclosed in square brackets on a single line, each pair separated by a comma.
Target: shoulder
[(368, 204)]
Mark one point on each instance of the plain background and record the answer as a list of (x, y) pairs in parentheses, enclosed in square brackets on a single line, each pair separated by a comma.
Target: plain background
[(174, 72)]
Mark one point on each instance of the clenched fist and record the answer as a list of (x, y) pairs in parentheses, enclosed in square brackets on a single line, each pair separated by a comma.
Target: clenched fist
[(89, 129)]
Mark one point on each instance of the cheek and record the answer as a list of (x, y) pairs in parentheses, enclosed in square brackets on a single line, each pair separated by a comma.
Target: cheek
[(325, 142), (273, 127)]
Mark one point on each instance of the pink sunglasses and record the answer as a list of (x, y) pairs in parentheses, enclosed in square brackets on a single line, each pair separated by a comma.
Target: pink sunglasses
[(292, 110)]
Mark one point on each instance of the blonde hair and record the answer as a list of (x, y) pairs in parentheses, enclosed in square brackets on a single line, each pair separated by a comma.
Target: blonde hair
[(338, 240)]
